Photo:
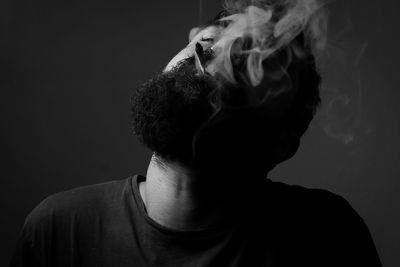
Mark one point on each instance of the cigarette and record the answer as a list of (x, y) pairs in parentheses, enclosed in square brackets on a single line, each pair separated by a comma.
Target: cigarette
[(199, 56)]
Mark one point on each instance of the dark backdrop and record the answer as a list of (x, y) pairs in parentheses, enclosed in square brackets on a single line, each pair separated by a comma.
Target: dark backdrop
[(67, 67)]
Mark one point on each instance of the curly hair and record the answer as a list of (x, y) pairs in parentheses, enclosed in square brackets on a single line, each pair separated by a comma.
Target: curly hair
[(188, 117), (168, 109), (174, 116)]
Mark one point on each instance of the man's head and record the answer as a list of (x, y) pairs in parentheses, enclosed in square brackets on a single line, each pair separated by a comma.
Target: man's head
[(188, 116)]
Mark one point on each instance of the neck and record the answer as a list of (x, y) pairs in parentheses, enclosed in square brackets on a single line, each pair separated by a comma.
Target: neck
[(179, 198)]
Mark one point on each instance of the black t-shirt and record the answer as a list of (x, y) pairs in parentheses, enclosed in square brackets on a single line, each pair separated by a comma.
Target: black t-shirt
[(107, 225)]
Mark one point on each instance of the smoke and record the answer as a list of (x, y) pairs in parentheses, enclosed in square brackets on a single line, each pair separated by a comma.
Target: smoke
[(253, 46), (256, 31), (343, 117), (256, 41)]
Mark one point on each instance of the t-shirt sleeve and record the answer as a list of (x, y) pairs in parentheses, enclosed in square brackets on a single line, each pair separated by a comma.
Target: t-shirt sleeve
[(31, 244), (352, 243), (359, 241), (39, 239)]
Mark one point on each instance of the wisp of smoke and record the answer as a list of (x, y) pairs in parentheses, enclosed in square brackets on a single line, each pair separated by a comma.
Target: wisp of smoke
[(342, 117), (257, 30), (246, 41)]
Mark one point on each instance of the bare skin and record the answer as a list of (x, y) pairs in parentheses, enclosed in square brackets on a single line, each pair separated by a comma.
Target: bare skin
[(178, 198)]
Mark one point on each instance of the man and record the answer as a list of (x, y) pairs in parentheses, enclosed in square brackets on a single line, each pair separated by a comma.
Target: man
[(205, 200)]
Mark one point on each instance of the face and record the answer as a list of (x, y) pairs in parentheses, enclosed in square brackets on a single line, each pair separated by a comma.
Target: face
[(206, 37), (221, 126)]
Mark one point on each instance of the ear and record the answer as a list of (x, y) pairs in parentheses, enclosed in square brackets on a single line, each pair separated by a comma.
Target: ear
[(193, 32)]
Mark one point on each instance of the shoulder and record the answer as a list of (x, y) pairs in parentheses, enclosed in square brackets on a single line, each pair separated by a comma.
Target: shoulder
[(315, 200), (77, 202), (323, 221), (317, 213), (67, 222), (314, 207)]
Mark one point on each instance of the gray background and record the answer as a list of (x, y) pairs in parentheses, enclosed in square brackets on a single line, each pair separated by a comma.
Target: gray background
[(67, 68)]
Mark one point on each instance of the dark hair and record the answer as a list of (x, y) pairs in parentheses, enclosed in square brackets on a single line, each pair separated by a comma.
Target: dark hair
[(168, 109), (175, 114)]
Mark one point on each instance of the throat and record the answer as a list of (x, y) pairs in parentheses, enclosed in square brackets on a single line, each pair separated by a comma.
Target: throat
[(177, 198)]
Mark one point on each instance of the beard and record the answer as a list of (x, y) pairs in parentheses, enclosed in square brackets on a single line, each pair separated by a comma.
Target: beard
[(189, 117), (168, 110)]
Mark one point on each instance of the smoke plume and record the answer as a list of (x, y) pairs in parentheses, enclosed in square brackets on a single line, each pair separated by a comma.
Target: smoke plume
[(256, 31)]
